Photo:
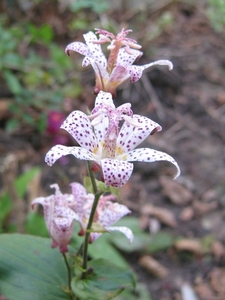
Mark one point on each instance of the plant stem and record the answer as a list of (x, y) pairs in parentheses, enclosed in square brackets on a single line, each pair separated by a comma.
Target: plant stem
[(68, 273), (91, 174), (90, 221)]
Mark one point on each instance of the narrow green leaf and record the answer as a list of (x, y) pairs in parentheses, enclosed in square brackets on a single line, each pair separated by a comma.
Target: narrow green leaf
[(30, 269)]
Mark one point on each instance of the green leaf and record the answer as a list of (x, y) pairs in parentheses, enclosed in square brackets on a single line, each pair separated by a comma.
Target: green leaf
[(101, 187), (23, 181), (21, 184), (12, 82), (30, 269), (160, 241), (102, 284), (35, 225), (102, 248)]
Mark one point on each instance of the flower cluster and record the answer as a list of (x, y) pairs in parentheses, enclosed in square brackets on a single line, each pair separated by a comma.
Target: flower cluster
[(61, 211), (108, 137)]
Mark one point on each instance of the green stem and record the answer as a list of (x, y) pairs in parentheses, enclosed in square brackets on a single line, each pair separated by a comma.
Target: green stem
[(91, 174), (90, 221), (68, 273)]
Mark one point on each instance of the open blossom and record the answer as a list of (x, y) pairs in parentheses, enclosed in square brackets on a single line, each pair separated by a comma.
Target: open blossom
[(107, 213), (110, 145), (119, 66), (59, 217)]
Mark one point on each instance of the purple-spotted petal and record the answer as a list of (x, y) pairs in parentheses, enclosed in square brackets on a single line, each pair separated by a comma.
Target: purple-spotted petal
[(125, 59), (125, 230), (113, 212), (59, 151), (131, 136), (79, 126), (136, 71), (79, 193), (95, 50), (116, 172), (77, 47), (151, 155)]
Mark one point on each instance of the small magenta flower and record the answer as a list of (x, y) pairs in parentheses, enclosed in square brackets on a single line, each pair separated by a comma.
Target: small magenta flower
[(110, 145), (119, 66), (107, 213), (59, 217)]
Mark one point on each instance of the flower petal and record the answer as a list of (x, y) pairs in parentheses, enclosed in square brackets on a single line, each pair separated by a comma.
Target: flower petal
[(59, 151), (136, 71), (125, 230), (95, 50), (79, 126), (125, 59), (116, 172), (151, 155), (112, 213), (118, 76), (131, 136), (77, 47)]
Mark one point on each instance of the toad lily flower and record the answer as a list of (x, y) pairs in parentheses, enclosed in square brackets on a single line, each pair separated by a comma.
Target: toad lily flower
[(107, 213), (118, 68), (59, 217), (110, 146)]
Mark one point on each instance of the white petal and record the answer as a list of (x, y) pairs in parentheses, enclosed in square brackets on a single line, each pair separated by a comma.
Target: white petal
[(112, 213), (162, 62), (125, 59), (116, 172), (151, 155), (104, 98), (131, 136), (125, 230), (77, 47), (59, 151), (79, 126), (136, 71), (95, 50)]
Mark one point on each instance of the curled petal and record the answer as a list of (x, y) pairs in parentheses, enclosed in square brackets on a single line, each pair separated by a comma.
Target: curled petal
[(126, 59), (125, 230), (79, 126), (77, 47), (131, 136), (151, 155), (136, 71), (161, 62), (59, 151), (116, 172)]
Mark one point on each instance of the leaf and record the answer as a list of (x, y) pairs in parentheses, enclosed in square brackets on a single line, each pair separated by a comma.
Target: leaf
[(101, 284), (12, 82), (101, 187), (30, 269), (21, 184), (102, 248)]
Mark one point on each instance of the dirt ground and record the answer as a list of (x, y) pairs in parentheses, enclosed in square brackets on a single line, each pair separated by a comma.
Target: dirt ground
[(189, 103)]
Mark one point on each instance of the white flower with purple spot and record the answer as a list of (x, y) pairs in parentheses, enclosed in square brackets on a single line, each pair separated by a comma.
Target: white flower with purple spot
[(107, 213), (109, 144), (119, 66), (59, 217)]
